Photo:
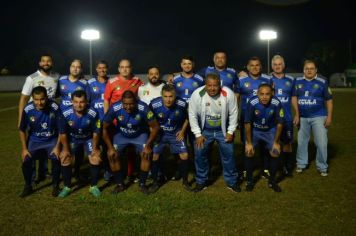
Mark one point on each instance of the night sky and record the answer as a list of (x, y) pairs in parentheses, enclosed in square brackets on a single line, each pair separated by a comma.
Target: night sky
[(160, 32)]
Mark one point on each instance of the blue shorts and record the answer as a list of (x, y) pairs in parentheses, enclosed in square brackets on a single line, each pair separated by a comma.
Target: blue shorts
[(266, 137), (34, 148), (287, 133), (176, 147), (76, 144), (120, 142)]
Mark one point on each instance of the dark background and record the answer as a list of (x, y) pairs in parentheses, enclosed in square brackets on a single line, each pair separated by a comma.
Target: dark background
[(160, 32)]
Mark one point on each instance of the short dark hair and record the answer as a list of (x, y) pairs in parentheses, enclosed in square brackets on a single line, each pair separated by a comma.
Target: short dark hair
[(46, 55), (307, 61), (168, 88), (102, 62), (187, 57), (214, 76), (254, 58), (154, 66), (39, 90), (128, 94), (265, 86), (79, 94)]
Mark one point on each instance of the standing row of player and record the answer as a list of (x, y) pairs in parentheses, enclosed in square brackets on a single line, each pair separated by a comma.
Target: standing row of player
[(213, 100)]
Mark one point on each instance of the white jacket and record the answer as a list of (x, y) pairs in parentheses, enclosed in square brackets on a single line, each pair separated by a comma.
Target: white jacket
[(197, 108)]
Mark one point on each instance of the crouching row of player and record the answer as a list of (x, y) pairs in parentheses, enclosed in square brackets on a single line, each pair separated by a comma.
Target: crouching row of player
[(63, 134)]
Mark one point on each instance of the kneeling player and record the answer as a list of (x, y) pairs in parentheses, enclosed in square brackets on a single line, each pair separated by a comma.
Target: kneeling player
[(80, 129), (134, 121), (171, 113), (39, 132), (263, 123)]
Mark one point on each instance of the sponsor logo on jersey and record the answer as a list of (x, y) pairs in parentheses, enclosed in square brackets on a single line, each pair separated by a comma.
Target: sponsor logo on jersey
[(40, 83), (247, 84), (146, 92), (44, 125)]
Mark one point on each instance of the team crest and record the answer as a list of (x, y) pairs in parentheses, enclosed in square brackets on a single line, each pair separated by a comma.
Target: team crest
[(300, 86), (288, 84), (63, 87), (98, 124), (179, 84), (195, 84), (315, 86), (40, 83), (117, 87), (78, 88), (70, 123), (138, 117), (247, 84), (207, 104), (257, 112), (121, 118), (88, 122), (149, 115), (271, 112), (281, 113), (32, 118), (95, 89), (329, 90), (160, 115), (229, 76), (146, 92), (176, 113)]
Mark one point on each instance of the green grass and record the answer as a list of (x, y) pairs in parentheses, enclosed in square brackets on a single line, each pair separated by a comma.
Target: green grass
[(308, 205)]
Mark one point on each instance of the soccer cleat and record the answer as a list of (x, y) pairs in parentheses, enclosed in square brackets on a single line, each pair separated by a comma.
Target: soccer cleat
[(144, 189), (199, 188), (118, 189), (27, 190), (249, 187), (265, 174), (95, 191), (299, 170), (65, 192), (154, 188), (55, 190), (323, 173), (275, 187), (235, 188)]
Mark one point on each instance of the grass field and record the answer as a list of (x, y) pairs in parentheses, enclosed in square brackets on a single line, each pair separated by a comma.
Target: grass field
[(308, 205)]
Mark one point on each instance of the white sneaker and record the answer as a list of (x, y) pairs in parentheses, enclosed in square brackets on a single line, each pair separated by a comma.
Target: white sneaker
[(299, 170), (323, 173)]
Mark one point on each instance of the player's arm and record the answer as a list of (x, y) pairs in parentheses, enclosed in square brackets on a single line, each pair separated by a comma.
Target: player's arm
[(248, 145), (107, 97), (296, 110), (22, 103), (23, 136), (181, 133), (154, 130), (233, 118), (96, 136), (329, 109)]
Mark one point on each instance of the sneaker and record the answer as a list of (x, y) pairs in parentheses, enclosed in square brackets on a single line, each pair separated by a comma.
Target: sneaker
[(154, 187), (118, 189), (299, 170), (323, 173), (65, 192), (186, 186), (199, 187), (236, 188), (144, 189), (27, 190), (265, 174), (275, 187), (249, 187), (107, 176), (55, 191), (95, 191)]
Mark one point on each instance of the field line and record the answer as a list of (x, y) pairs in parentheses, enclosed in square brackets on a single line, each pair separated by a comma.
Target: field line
[(8, 108)]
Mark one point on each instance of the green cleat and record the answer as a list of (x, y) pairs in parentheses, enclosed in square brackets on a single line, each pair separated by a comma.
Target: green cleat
[(65, 192), (95, 191)]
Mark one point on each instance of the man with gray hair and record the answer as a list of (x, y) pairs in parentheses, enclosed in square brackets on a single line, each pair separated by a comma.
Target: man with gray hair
[(213, 116)]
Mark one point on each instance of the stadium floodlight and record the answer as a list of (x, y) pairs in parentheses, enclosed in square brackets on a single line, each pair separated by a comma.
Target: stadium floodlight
[(268, 35), (90, 35)]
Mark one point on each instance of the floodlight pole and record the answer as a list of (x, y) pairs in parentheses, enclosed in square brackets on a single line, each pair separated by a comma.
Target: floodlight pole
[(268, 66), (90, 59)]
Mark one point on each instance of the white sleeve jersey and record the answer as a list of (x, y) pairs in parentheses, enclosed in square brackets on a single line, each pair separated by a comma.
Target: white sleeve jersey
[(38, 79)]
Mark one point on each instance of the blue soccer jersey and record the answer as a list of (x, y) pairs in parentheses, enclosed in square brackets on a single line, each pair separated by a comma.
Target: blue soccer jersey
[(228, 76), (264, 117), (248, 88), (130, 125), (42, 125), (170, 119), (186, 86), (95, 91), (312, 95), (79, 127), (283, 89), (66, 88)]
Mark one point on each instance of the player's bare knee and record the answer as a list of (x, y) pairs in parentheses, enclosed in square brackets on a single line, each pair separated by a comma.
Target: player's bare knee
[(183, 156)]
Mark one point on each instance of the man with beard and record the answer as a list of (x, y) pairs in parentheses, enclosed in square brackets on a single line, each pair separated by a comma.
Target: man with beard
[(153, 87), (42, 77)]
